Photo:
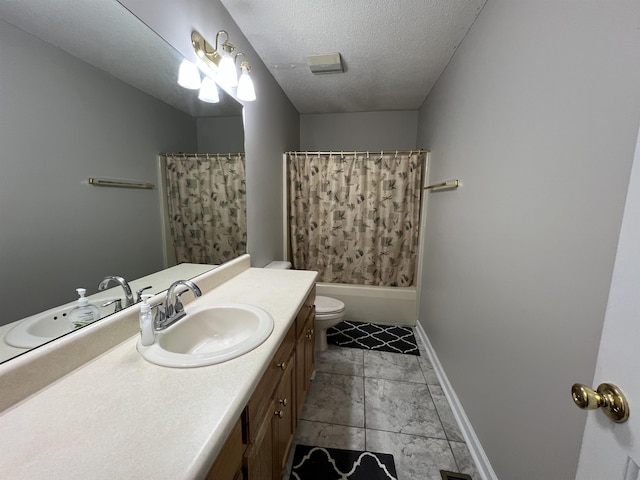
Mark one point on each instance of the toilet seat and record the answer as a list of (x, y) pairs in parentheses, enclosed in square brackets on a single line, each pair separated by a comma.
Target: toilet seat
[(327, 308)]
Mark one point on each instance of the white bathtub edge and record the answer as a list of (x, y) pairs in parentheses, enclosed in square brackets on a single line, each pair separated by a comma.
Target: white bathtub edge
[(374, 304)]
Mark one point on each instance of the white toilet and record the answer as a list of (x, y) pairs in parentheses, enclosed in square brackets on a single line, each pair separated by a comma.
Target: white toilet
[(329, 312)]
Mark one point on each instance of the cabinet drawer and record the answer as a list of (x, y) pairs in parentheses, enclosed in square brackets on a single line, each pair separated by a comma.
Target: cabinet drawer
[(259, 402)]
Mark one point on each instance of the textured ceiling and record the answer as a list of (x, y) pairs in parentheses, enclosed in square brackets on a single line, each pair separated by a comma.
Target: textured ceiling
[(393, 51), (109, 37)]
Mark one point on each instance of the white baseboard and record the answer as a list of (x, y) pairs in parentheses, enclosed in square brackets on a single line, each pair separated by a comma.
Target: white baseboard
[(473, 444)]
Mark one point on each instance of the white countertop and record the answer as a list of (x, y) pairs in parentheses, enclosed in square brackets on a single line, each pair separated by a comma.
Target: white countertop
[(121, 417)]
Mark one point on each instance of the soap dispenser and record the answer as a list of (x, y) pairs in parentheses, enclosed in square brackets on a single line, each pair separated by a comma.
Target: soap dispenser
[(147, 335), (84, 313)]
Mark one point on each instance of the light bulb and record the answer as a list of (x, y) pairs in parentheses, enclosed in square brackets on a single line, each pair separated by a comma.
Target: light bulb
[(227, 71), (245, 91), (189, 75), (209, 91)]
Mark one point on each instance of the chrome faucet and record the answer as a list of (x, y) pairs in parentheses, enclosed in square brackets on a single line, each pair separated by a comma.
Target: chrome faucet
[(123, 283), (174, 309)]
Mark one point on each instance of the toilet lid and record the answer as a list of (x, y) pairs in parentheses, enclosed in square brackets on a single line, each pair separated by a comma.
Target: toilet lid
[(325, 305)]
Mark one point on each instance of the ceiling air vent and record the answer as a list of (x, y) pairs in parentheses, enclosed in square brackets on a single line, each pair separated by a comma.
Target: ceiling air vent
[(325, 63)]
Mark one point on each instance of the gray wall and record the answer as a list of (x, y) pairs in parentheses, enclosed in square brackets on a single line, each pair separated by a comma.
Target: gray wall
[(537, 114), (63, 121), (271, 122), (359, 131), (220, 134)]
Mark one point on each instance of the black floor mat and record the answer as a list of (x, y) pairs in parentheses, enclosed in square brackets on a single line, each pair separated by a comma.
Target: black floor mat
[(317, 463), (369, 336)]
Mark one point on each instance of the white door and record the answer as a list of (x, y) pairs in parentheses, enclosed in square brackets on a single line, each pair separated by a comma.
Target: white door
[(612, 450)]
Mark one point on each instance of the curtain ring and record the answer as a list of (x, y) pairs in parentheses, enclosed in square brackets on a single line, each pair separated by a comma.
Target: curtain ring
[(396, 157)]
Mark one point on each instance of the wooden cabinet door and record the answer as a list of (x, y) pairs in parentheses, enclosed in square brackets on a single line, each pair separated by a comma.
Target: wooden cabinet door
[(310, 351), (301, 384), (228, 465), (305, 360), (259, 456), (284, 418)]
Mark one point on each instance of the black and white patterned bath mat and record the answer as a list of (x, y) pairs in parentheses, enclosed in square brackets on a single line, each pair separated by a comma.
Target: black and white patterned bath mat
[(317, 463), (369, 336), (446, 475)]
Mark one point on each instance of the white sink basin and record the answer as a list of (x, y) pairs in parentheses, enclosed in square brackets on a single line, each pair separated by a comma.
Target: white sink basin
[(43, 327), (209, 335)]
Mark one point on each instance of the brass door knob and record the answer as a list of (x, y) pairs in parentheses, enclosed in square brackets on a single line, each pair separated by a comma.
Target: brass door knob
[(608, 397), (279, 413), (283, 401), (282, 365)]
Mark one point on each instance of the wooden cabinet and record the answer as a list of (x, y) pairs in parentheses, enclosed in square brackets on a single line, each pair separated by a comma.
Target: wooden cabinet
[(265, 432), (305, 352), (285, 418), (228, 465), (258, 459)]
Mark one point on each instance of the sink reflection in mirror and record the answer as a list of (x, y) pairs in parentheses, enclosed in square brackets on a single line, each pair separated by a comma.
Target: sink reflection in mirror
[(43, 327), (208, 335), (35, 330), (60, 231)]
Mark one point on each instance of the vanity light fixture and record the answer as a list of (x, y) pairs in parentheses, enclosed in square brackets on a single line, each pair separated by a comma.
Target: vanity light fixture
[(209, 91), (245, 91), (224, 63), (189, 75)]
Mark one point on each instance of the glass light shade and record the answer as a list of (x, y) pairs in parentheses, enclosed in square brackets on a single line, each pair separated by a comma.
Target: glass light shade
[(189, 75), (209, 91), (227, 71), (245, 91)]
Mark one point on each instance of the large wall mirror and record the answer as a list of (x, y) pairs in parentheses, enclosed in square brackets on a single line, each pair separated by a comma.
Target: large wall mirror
[(87, 90)]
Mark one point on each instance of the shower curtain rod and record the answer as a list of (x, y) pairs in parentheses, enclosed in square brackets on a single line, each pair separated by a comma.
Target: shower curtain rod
[(185, 155), (360, 152)]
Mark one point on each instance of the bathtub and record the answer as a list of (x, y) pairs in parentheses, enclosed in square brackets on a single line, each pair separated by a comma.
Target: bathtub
[(366, 303)]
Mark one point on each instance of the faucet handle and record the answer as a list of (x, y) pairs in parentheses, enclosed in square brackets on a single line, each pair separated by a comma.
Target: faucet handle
[(118, 303), (158, 316), (139, 293), (179, 306)]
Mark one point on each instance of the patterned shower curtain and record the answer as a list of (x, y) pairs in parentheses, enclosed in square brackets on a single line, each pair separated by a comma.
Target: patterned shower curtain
[(355, 217), (207, 207)]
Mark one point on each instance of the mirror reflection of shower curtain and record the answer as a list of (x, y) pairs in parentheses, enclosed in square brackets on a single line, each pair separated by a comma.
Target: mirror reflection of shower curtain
[(206, 197), (354, 218)]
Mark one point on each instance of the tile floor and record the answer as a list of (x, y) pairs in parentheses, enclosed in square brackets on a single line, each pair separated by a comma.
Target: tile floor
[(388, 403)]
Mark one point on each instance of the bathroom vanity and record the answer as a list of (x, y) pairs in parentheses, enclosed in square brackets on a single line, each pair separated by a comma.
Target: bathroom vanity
[(116, 415)]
